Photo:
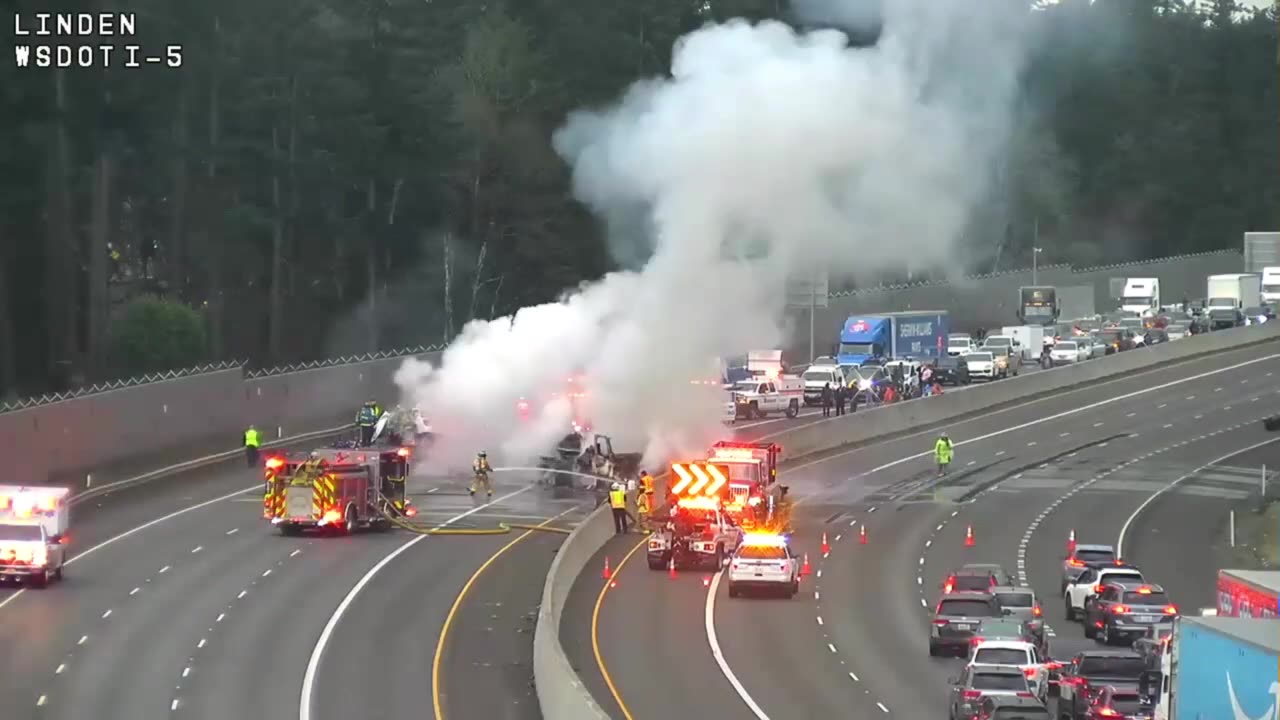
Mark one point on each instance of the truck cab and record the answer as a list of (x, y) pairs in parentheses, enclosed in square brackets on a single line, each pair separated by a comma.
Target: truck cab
[(698, 533), (863, 339), (1141, 296), (1271, 285), (33, 533)]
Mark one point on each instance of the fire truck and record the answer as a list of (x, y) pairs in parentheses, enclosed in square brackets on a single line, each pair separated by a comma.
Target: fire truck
[(697, 532), (33, 533), (352, 488), (743, 476)]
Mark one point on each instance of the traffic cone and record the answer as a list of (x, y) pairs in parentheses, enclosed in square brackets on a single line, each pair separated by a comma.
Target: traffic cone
[(607, 572), (671, 568), (968, 536), (805, 568), (862, 534), (826, 547), (706, 581), (1071, 542)]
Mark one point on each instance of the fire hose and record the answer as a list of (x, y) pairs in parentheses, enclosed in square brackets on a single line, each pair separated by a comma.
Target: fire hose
[(398, 520)]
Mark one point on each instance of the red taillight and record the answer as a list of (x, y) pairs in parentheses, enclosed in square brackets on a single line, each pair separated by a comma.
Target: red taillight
[(1029, 672), (1024, 694), (1097, 589), (1075, 563), (1119, 609), (274, 463), (972, 694), (410, 511), (1171, 610), (1052, 666), (1037, 611), (975, 640), (403, 452), (940, 622), (1108, 712), (950, 585)]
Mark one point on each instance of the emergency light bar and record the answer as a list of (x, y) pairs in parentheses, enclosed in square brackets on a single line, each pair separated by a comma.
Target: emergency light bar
[(722, 453), (764, 540), (697, 503), (25, 502)]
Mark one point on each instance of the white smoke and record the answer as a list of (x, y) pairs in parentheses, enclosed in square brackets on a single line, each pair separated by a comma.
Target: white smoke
[(767, 153)]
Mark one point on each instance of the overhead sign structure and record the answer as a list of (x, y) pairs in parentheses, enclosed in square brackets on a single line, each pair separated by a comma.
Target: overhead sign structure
[(812, 291)]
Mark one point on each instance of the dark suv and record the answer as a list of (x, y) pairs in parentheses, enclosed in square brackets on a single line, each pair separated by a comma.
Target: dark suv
[(956, 618), (970, 579), (1127, 610)]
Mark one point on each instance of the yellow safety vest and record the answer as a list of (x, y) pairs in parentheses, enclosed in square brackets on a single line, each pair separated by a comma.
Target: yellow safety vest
[(617, 499), (642, 503), (251, 438), (647, 481)]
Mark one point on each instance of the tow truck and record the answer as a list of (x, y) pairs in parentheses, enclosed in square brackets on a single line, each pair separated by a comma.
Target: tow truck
[(33, 533), (697, 533), (355, 488)]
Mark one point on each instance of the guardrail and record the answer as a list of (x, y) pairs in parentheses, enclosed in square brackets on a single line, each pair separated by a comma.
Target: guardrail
[(561, 692)]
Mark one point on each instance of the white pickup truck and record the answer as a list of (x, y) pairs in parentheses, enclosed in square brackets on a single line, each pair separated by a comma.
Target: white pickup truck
[(757, 398), (33, 527)]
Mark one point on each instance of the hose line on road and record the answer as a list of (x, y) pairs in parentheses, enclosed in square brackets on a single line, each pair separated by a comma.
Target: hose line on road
[(425, 529)]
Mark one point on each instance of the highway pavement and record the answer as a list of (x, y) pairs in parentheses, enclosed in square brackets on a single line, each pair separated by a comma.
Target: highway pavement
[(854, 643), (183, 602)]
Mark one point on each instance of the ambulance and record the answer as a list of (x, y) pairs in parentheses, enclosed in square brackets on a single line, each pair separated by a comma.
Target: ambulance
[(33, 533)]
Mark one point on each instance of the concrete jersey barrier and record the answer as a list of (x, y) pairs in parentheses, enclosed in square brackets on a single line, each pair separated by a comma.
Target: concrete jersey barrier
[(561, 693)]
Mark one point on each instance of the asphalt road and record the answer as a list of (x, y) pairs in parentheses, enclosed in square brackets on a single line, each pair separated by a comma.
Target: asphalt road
[(211, 614), (855, 642)]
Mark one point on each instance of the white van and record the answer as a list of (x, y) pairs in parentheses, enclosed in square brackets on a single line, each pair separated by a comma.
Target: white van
[(815, 378)]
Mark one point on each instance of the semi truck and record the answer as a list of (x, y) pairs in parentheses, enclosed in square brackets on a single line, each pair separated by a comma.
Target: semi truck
[(1249, 594), (1141, 296), (1261, 250), (1229, 296), (33, 533), (1038, 305), (917, 335), (1218, 667)]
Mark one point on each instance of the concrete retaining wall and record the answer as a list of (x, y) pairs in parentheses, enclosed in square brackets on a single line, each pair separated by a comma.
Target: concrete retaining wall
[(561, 693), (49, 442)]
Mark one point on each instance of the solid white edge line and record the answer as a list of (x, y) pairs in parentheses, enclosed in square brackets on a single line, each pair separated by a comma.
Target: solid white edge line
[(1124, 530), (710, 622), (317, 652)]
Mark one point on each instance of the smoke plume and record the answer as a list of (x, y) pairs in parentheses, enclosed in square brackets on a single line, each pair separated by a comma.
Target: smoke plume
[(767, 153)]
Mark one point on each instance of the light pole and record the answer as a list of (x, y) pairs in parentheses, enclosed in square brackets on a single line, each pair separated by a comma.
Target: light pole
[(1035, 265)]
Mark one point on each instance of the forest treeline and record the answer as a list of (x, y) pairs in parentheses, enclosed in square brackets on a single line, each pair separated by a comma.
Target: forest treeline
[(323, 178)]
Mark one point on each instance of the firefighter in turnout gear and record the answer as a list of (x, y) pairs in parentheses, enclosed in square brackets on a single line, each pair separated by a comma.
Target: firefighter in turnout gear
[(643, 500), (942, 452), (481, 469), (366, 420), (646, 484)]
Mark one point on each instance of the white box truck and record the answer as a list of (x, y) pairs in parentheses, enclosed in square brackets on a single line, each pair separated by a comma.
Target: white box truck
[(1141, 296), (1271, 284), (1030, 339), (1229, 295)]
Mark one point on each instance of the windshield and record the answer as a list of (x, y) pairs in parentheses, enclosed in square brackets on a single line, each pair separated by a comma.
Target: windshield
[(978, 357), (1001, 656), (971, 582), (1126, 702), (958, 342), (997, 342), (1066, 345), (819, 376), (1113, 666), (1271, 289), (966, 608), (857, 349), (1136, 300), (1016, 600), (1000, 628), (1130, 576), (1020, 713), (1000, 681), (1131, 323), (20, 533), (1096, 555), (762, 552), (1152, 598), (1037, 310)]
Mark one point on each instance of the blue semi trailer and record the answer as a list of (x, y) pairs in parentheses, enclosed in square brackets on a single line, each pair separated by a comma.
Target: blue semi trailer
[(1221, 668), (917, 335)]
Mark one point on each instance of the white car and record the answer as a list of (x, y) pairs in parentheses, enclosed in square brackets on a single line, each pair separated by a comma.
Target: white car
[(958, 345), (1066, 352), (981, 365), (1013, 653), (1085, 588), (764, 562)]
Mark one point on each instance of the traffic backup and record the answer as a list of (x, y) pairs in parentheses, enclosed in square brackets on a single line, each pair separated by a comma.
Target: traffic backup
[(33, 533)]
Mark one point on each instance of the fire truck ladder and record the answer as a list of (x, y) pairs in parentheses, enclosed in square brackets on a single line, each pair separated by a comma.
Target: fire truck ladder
[(399, 520)]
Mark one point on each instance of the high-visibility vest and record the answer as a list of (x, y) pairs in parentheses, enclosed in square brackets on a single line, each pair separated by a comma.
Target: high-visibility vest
[(617, 499), (642, 503), (647, 481), (943, 451), (251, 438)]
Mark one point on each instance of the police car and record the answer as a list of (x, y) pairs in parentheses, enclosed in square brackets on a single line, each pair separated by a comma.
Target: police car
[(764, 562)]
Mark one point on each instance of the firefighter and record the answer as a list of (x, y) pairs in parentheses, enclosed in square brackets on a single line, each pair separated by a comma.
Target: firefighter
[(643, 500), (942, 451), (646, 484), (618, 502), (309, 470), (481, 468), (252, 441), (366, 420)]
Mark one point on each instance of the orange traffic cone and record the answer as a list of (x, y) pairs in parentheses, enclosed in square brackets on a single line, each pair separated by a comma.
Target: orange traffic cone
[(805, 568), (706, 581), (826, 546), (1071, 542), (607, 572), (862, 534), (968, 536), (671, 567)]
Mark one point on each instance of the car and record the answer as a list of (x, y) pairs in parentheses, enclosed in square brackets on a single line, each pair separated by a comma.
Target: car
[(1020, 653), (1002, 576), (955, 619), (1080, 593), (1088, 673), (952, 370), (977, 682), (1020, 603), (1085, 556), (1117, 339), (958, 345), (1004, 628), (764, 562), (1177, 331), (1067, 352), (1016, 707), (1008, 360), (1120, 703), (969, 579), (1125, 609), (982, 365)]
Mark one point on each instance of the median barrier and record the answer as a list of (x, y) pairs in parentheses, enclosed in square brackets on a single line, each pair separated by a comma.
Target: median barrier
[(561, 693)]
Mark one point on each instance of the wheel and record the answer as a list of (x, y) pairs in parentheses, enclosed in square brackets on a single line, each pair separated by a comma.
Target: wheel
[(656, 564), (756, 412), (1071, 612), (57, 574), (793, 409), (720, 557), (794, 589), (40, 581), (1090, 630), (350, 520), (933, 650), (733, 590), (1104, 636)]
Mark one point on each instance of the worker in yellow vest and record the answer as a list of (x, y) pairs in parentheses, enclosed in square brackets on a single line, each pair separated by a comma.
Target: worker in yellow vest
[(252, 441), (618, 502), (642, 511), (646, 484)]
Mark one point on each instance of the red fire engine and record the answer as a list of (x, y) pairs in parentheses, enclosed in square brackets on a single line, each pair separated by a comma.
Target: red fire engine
[(341, 488)]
